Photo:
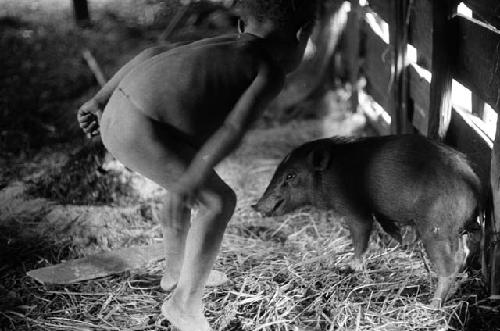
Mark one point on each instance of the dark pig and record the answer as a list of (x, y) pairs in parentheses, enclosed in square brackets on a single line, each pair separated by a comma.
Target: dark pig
[(401, 180)]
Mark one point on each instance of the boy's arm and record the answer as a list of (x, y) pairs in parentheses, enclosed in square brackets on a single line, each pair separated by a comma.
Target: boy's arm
[(267, 84), (90, 112)]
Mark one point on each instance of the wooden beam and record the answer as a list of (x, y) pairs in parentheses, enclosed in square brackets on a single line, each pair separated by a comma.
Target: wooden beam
[(377, 66), (420, 34), (477, 64), (398, 35), (442, 55), (353, 41), (419, 91), (495, 228), (487, 10), (81, 12)]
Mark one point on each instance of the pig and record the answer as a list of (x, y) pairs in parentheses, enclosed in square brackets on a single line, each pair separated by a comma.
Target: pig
[(396, 179)]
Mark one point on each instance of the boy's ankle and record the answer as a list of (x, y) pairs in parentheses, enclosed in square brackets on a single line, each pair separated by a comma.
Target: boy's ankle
[(186, 301)]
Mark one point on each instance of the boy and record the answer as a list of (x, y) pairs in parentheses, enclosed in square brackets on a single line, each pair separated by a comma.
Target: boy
[(172, 115)]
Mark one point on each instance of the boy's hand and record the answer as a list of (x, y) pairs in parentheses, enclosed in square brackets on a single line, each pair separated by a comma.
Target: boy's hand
[(185, 192), (89, 116)]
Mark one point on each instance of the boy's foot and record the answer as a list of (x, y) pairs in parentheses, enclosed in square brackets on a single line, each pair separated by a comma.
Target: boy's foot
[(215, 278), (182, 320)]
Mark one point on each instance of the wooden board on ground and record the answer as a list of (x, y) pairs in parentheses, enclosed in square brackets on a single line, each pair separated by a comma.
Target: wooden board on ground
[(99, 265)]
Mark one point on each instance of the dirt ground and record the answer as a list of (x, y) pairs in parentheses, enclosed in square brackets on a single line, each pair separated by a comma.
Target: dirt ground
[(286, 273)]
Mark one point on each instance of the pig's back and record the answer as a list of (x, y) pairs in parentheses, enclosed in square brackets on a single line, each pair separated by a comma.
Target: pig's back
[(407, 176)]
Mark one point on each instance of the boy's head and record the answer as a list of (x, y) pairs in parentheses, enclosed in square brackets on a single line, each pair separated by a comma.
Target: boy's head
[(289, 15)]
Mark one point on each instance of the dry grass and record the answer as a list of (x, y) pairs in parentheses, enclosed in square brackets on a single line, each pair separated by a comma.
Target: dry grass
[(287, 273)]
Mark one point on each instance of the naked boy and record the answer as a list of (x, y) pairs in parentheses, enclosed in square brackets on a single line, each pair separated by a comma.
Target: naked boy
[(172, 115)]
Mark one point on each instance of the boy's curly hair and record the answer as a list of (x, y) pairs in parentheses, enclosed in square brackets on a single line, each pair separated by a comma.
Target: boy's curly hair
[(284, 13)]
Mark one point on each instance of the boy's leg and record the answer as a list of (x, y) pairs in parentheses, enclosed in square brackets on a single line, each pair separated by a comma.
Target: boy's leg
[(184, 309), (160, 153), (174, 239), (156, 151)]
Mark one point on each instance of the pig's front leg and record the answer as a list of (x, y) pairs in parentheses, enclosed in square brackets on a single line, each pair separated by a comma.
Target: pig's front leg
[(360, 228)]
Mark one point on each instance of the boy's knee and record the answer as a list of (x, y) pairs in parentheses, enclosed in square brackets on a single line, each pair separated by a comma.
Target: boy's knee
[(221, 202)]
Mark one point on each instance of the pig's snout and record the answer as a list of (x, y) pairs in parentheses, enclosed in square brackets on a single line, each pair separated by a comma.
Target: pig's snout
[(269, 206), (259, 208)]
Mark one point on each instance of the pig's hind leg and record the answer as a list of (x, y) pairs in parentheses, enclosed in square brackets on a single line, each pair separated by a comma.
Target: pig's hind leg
[(445, 250), (445, 257), (360, 228), (439, 230)]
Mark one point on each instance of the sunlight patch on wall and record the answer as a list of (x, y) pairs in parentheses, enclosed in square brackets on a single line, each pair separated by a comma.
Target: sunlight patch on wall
[(462, 9), (461, 96), (490, 118), (378, 25)]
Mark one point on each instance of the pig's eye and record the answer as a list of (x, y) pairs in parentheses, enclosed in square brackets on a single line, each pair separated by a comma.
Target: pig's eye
[(290, 176)]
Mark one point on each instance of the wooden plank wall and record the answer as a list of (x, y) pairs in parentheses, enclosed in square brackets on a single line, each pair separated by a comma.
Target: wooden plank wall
[(449, 46), (477, 64), (377, 66), (398, 36), (486, 10)]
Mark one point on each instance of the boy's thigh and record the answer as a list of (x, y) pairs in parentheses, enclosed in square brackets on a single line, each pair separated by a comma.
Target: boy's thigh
[(154, 149)]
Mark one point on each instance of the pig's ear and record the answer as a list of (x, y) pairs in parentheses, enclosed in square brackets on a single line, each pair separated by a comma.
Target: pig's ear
[(319, 159)]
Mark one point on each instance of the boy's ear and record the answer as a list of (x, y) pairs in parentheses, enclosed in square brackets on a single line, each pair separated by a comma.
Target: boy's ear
[(305, 30), (241, 26), (319, 159), (299, 34)]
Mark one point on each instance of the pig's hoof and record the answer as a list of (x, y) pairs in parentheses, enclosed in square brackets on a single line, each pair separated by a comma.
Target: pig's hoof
[(435, 303), (356, 265), (215, 278)]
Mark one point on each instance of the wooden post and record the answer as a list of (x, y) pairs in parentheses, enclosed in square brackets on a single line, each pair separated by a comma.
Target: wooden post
[(353, 40), (442, 57), (494, 227), (477, 102), (81, 12), (398, 36)]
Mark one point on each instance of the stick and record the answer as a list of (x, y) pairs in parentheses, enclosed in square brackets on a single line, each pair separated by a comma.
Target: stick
[(94, 67), (173, 23)]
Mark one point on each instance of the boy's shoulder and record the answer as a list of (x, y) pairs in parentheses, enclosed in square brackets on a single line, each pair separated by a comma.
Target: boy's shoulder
[(230, 47)]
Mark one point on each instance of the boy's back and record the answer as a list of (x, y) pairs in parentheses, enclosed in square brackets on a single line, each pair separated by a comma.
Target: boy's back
[(194, 87)]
